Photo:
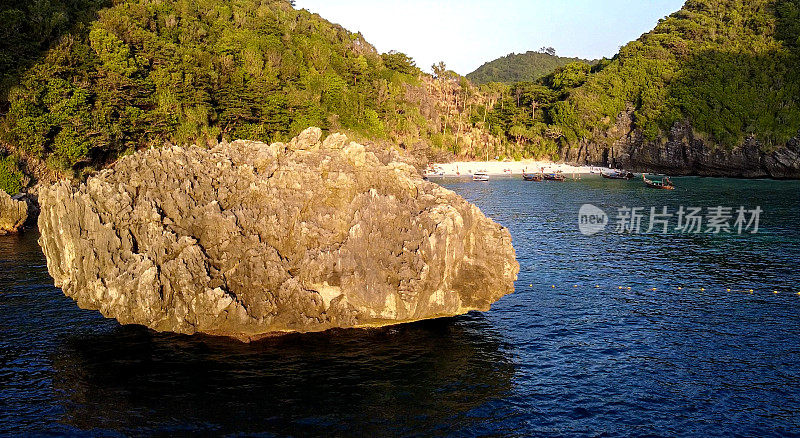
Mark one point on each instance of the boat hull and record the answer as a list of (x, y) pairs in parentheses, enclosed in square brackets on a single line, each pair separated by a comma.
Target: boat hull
[(627, 176), (658, 185)]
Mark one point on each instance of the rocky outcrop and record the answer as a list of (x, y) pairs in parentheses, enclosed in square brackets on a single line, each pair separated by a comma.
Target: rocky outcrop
[(13, 213), (682, 152), (250, 240)]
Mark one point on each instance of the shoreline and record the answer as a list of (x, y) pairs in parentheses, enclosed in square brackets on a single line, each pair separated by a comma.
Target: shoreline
[(499, 168)]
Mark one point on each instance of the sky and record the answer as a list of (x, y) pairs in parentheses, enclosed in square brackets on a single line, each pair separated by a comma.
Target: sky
[(467, 33)]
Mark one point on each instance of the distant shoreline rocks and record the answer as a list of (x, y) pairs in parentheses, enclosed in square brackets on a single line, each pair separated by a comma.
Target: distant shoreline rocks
[(13, 213), (249, 240)]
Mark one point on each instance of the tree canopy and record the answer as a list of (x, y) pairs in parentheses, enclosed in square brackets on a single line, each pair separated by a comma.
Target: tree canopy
[(728, 67), (142, 73), (523, 67), (83, 82)]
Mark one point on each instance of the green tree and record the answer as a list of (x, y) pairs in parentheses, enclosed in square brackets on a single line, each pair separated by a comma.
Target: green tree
[(12, 180)]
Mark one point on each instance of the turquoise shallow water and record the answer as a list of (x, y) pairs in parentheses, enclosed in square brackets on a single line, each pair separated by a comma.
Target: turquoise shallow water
[(585, 360)]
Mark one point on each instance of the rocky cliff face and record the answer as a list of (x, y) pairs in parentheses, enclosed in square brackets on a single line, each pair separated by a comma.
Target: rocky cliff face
[(249, 240), (13, 213), (683, 153)]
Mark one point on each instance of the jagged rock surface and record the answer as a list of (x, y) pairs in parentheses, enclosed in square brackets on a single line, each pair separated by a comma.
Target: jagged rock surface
[(249, 240), (681, 152), (13, 213)]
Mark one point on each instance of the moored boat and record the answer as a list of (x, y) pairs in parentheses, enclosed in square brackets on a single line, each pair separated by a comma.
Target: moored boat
[(535, 177), (480, 176), (555, 177), (664, 184), (617, 174)]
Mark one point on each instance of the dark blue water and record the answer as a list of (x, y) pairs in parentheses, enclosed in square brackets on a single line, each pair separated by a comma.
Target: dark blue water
[(546, 361)]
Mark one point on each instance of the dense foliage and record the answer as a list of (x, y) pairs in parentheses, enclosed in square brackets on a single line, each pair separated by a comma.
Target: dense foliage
[(524, 112), (85, 81), (11, 178), (523, 67), (146, 72), (28, 28), (729, 67)]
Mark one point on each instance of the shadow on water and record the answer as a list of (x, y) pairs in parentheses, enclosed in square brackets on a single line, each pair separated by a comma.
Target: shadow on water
[(20, 251), (434, 377), (64, 370)]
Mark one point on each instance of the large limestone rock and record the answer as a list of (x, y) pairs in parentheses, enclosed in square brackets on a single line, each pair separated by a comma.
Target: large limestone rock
[(13, 213), (250, 240)]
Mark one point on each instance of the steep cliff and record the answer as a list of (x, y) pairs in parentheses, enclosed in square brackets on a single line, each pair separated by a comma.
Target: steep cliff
[(713, 89), (683, 151)]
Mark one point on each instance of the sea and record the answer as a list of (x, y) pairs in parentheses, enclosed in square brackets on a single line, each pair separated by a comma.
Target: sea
[(637, 312)]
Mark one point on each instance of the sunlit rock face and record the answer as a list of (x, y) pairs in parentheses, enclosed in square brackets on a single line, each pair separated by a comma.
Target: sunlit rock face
[(248, 240), (13, 213)]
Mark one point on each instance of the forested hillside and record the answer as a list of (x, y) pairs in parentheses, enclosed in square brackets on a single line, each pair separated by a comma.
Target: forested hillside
[(718, 80), (522, 67), (106, 81), (713, 89), (194, 70)]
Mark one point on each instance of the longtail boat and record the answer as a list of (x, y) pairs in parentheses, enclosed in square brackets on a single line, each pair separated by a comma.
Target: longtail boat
[(618, 175), (664, 184), (555, 177), (535, 177)]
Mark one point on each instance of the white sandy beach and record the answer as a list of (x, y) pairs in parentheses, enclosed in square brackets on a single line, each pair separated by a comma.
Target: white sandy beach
[(498, 168)]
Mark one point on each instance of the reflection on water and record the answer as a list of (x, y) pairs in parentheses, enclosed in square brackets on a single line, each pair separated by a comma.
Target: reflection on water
[(435, 376), (552, 359)]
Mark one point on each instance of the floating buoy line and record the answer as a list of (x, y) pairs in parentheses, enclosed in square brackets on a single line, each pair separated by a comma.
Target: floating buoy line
[(669, 289)]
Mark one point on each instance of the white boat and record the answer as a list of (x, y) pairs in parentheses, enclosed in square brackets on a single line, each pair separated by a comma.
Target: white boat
[(480, 176)]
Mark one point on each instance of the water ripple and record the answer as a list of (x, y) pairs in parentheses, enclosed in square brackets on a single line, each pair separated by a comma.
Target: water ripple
[(552, 359)]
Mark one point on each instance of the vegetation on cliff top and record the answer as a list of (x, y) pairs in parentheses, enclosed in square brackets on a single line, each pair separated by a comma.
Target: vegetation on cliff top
[(522, 67), (144, 72), (728, 67), (11, 178), (85, 81), (113, 76)]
